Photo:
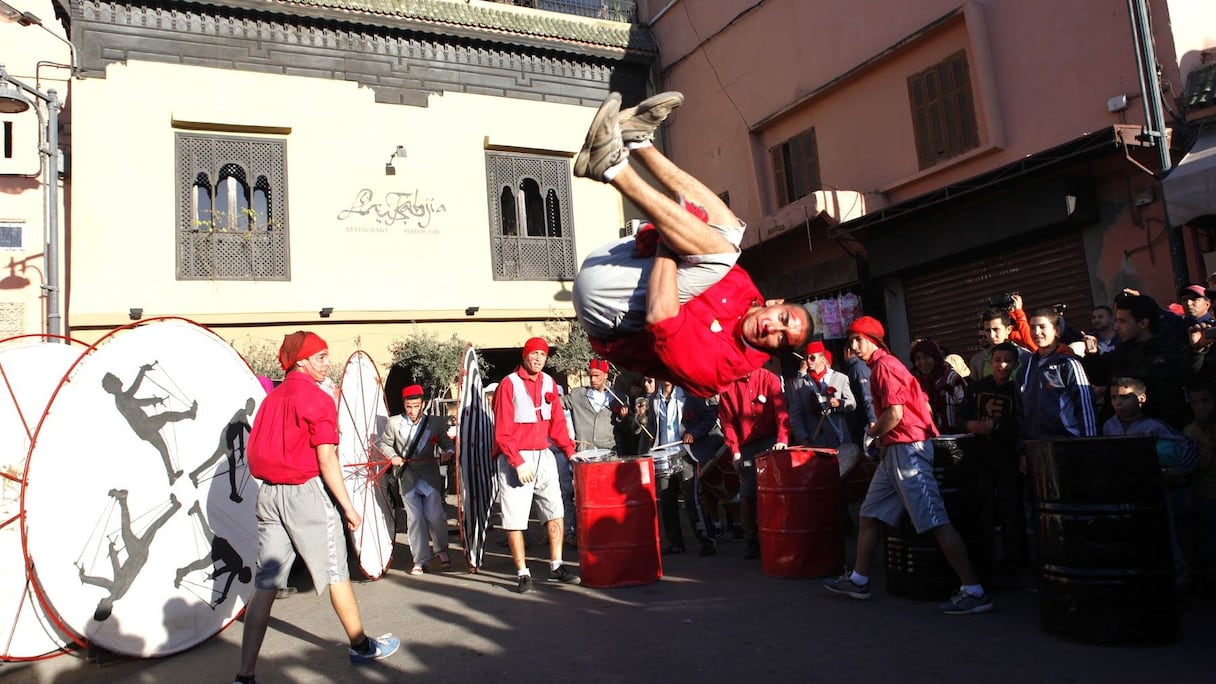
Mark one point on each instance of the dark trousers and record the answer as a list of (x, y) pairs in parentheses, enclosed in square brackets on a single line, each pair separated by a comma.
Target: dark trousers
[(669, 490), (1000, 487)]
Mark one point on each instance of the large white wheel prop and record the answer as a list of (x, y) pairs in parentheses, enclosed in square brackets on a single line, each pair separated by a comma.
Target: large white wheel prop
[(475, 462), (362, 415), (30, 370), (139, 508)]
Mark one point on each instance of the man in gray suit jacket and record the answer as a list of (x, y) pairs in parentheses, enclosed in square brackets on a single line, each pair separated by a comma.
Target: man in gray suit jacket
[(416, 444)]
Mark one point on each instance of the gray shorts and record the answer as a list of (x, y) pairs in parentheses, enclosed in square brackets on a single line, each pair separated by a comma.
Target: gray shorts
[(299, 520), (610, 287), (905, 482), (515, 498)]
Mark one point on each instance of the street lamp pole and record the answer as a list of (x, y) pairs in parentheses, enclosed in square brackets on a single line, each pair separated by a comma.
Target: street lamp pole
[(13, 102)]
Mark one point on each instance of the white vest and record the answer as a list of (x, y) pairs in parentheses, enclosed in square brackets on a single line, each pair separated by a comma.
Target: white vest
[(525, 410)]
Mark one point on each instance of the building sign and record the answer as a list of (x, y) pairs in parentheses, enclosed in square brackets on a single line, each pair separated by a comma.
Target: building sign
[(392, 212), (10, 235)]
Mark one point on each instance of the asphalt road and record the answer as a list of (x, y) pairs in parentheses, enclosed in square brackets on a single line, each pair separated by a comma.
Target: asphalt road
[(715, 619)]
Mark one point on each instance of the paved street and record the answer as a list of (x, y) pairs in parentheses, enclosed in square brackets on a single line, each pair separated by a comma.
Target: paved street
[(711, 619)]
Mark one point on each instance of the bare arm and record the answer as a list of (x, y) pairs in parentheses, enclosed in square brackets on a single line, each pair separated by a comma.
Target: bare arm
[(662, 292), (887, 420), (331, 475)]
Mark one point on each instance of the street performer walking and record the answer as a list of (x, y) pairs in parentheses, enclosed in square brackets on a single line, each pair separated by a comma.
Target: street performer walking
[(671, 302), (293, 452), (527, 415), (904, 482)]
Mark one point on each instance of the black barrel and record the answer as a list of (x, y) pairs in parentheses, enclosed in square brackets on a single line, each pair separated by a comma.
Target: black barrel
[(916, 567), (1106, 570)]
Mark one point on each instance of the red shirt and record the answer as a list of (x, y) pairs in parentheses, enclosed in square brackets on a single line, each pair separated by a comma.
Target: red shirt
[(701, 348), (891, 383), (746, 418), (511, 437), (292, 422)]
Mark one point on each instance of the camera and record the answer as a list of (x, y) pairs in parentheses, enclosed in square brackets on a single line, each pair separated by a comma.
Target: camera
[(1002, 301)]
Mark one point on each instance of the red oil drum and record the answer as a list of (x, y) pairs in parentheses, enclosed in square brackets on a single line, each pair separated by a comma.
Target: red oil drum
[(618, 523), (800, 513)]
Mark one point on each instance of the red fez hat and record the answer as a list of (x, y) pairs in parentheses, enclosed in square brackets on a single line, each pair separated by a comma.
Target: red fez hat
[(412, 392), (816, 347), (599, 365), (536, 344), (299, 345), (868, 326)]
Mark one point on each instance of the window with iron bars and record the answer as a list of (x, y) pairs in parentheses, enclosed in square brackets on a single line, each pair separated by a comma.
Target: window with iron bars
[(232, 208), (531, 230)]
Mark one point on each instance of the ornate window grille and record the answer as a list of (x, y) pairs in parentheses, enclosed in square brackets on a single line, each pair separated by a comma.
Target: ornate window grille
[(231, 208), (531, 230)]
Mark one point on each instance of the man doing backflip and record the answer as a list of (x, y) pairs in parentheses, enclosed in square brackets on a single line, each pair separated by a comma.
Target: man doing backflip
[(671, 302)]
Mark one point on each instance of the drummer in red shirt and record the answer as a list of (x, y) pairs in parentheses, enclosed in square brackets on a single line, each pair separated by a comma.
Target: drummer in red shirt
[(904, 482), (293, 452), (754, 420), (671, 302)]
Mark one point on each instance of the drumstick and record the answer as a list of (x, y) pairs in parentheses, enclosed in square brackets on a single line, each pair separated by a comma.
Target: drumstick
[(678, 442)]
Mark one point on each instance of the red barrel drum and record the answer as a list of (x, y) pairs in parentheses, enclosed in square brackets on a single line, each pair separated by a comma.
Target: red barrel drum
[(618, 523), (800, 513)]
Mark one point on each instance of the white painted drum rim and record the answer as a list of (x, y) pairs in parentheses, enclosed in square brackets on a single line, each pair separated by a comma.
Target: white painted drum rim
[(363, 468), (28, 633), (184, 616)]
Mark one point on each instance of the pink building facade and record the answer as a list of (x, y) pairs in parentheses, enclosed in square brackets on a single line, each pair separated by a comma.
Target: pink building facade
[(930, 155)]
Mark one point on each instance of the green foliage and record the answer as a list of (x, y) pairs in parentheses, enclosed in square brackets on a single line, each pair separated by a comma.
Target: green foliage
[(571, 348), (263, 358), (261, 355), (236, 221), (431, 362)]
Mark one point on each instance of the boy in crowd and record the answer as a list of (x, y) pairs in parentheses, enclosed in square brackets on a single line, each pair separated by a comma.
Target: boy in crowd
[(1178, 456), (991, 412)]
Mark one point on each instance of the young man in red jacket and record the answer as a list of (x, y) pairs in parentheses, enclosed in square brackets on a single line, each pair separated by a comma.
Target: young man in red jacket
[(904, 482), (293, 450), (527, 416), (754, 420)]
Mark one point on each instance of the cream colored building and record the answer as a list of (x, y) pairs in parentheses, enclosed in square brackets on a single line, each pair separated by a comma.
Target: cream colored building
[(361, 174)]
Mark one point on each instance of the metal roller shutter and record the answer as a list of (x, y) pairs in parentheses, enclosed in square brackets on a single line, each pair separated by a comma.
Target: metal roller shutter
[(945, 302)]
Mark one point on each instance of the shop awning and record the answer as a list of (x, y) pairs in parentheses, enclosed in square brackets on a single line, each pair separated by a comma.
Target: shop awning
[(1190, 188)]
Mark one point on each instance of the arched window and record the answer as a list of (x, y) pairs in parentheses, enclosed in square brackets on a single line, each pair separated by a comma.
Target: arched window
[(200, 196), (506, 209), (553, 214), (262, 215), (232, 209), (534, 212), (232, 199), (531, 228)]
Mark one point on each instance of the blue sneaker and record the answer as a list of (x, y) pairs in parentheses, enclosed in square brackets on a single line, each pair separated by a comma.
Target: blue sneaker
[(963, 603), (382, 646)]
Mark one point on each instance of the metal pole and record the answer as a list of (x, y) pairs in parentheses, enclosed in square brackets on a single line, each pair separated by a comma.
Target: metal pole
[(1155, 127), (52, 198), (50, 193)]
